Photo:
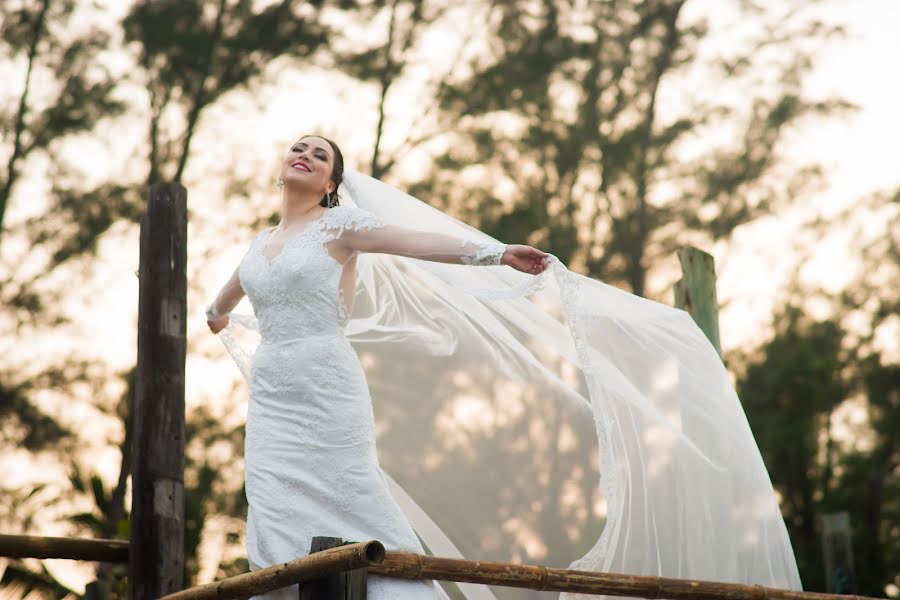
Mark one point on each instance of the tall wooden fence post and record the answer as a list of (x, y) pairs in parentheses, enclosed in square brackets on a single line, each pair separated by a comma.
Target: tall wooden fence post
[(156, 561), (696, 291)]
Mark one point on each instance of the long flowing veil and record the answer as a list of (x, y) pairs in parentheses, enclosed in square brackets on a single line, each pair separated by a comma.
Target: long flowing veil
[(553, 419)]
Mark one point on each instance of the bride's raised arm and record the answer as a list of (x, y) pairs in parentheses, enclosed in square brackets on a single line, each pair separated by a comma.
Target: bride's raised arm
[(229, 296), (367, 233)]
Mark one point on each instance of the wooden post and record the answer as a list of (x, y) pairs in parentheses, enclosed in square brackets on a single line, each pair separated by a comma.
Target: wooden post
[(156, 565), (346, 557), (348, 585), (696, 291), (838, 551)]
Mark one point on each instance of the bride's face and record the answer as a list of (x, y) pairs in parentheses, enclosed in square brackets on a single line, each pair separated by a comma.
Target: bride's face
[(308, 165)]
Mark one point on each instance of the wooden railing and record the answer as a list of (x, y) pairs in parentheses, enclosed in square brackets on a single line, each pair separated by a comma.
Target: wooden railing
[(339, 572)]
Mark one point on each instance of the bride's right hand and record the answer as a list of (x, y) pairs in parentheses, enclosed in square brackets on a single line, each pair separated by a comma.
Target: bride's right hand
[(217, 325)]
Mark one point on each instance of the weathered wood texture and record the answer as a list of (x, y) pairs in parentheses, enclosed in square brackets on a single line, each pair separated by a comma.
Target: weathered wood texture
[(32, 546), (417, 566), (157, 518), (696, 292), (350, 585), (348, 557)]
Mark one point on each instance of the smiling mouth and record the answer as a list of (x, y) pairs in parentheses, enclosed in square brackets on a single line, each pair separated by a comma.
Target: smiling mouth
[(300, 166)]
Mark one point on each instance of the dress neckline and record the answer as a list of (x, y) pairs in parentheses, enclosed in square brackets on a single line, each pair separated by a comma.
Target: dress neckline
[(290, 240)]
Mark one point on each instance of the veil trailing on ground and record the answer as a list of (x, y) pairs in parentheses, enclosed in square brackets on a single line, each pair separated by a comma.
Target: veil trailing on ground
[(552, 419)]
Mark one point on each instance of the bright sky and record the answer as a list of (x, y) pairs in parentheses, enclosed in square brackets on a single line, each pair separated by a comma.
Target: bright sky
[(858, 152)]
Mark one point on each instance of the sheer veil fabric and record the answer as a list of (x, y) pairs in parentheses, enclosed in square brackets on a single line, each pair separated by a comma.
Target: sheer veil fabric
[(551, 419)]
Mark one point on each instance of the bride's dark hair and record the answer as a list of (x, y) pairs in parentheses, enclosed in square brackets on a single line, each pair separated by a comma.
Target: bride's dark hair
[(337, 173)]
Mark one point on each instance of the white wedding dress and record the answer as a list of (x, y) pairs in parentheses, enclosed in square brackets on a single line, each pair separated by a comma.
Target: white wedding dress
[(311, 466), (545, 419)]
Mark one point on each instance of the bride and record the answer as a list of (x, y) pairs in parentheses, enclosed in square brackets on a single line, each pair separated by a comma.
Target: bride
[(524, 414)]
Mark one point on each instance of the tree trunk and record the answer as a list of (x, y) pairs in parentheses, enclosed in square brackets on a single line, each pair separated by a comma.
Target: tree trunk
[(12, 168)]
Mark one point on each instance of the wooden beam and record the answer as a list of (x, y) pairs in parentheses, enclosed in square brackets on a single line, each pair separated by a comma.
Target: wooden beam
[(334, 560), (156, 567), (33, 546), (696, 291), (418, 566)]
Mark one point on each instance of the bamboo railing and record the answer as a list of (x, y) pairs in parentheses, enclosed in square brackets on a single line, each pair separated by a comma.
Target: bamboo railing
[(418, 566), (33, 546), (405, 565)]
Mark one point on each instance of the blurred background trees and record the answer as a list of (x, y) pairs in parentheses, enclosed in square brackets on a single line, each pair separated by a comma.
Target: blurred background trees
[(608, 133)]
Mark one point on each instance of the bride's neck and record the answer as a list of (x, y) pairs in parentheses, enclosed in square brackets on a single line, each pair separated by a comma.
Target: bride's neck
[(299, 207)]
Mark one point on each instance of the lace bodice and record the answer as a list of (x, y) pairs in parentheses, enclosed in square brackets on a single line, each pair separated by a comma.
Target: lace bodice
[(297, 293)]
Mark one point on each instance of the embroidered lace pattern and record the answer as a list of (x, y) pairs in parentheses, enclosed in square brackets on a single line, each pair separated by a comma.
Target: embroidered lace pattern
[(310, 458), (488, 253)]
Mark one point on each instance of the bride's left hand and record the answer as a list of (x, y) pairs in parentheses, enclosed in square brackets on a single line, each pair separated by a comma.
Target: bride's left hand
[(525, 258)]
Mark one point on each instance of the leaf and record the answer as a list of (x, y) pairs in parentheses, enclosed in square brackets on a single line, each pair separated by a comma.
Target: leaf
[(36, 490), (100, 498), (123, 528), (88, 520)]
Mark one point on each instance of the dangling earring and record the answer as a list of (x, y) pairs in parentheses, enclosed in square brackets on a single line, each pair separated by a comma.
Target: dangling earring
[(331, 198), (279, 184)]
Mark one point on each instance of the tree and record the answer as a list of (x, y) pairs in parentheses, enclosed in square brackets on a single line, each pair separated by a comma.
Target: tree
[(64, 90), (566, 137), (789, 394), (192, 53), (189, 55), (810, 372), (385, 63), (868, 474), (76, 98)]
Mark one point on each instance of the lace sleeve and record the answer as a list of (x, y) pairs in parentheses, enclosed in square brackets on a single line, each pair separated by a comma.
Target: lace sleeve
[(362, 231), (231, 293), (228, 297)]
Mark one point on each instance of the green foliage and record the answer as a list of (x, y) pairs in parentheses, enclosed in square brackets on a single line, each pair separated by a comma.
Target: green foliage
[(26, 425), (18, 579), (812, 371), (81, 216), (789, 394), (384, 63), (207, 489), (193, 52), (77, 91), (587, 151)]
